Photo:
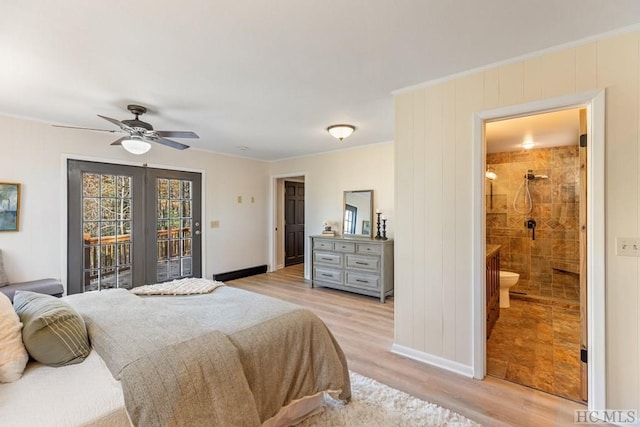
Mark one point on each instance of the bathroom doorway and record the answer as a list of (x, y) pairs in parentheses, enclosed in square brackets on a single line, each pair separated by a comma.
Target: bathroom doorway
[(535, 219)]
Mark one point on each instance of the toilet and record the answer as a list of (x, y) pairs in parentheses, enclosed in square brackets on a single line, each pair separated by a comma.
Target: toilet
[(507, 280)]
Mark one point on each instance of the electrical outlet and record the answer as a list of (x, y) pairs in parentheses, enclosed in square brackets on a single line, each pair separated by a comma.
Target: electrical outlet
[(628, 246), (239, 199)]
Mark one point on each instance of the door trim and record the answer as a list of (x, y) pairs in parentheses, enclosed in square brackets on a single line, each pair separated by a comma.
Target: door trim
[(64, 196), (273, 222), (594, 101)]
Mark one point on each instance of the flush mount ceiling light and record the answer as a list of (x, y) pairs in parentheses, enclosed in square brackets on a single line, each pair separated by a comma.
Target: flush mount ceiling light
[(135, 145), (340, 131), (528, 144)]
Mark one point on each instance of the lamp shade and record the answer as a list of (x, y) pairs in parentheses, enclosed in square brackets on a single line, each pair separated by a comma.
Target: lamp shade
[(340, 131), (135, 145)]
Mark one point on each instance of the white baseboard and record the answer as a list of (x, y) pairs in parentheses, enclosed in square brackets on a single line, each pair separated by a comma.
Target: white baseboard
[(430, 359)]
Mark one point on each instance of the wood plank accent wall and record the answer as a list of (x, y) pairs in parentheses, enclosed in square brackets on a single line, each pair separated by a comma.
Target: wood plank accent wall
[(434, 209)]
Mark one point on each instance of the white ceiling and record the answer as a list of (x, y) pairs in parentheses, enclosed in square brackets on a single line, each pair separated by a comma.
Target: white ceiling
[(268, 75)]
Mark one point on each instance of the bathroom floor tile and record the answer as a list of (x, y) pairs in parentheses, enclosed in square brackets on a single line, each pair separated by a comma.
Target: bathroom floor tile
[(545, 291), (537, 345)]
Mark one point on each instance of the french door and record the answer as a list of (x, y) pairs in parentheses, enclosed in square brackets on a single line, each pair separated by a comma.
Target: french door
[(129, 226)]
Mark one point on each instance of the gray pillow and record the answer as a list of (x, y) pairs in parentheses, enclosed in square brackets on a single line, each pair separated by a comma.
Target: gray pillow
[(4, 280), (53, 332)]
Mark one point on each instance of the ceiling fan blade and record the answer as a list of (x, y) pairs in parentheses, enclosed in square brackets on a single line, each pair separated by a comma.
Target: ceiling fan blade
[(81, 128), (117, 123), (119, 141), (176, 134), (168, 142)]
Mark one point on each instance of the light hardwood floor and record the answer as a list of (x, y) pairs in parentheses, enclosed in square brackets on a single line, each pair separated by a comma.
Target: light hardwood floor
[(364, 328)]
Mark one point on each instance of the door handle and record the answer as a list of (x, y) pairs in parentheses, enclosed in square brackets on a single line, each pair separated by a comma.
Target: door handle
[(198, 232)]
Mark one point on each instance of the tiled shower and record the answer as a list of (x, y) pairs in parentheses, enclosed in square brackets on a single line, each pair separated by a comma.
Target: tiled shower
[(548, 265)]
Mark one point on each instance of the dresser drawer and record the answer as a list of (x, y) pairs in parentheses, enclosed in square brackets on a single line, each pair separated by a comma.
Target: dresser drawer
[(364, 262), (368, 248), (323, 244), (363, 281), (345, 247), (327, 258), (327, 275)]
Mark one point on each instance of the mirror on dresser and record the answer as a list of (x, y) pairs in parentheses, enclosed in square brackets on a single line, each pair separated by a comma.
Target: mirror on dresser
[(358, 213)]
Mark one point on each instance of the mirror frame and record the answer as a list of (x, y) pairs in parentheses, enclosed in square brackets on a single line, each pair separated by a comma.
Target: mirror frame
[(370, 218)]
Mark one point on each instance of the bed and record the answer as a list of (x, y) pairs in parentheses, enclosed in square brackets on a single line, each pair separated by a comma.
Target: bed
[(230, 357)]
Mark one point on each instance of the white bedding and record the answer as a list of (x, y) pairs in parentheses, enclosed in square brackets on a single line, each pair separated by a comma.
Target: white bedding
[(85, 394)]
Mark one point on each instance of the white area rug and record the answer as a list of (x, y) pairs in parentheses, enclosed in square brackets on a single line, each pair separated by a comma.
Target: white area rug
[(374, 404)]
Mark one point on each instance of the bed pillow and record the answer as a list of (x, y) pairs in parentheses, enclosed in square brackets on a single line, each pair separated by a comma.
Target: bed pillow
[(13, 355), (53, 332), (4, 280)]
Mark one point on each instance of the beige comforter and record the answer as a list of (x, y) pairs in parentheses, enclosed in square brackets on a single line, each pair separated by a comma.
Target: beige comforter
[(229, 358)]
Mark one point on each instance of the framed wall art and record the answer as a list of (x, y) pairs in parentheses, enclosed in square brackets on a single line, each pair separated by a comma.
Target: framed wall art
[(9, 206)]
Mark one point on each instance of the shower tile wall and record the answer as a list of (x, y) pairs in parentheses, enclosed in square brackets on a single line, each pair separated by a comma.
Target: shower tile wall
[(548, 265)]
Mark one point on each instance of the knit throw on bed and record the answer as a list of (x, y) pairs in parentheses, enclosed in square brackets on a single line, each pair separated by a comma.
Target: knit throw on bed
[(187, 286), (227, 358)]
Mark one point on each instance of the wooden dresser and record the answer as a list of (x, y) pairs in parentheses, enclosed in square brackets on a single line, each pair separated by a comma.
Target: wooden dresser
[(363, 266)]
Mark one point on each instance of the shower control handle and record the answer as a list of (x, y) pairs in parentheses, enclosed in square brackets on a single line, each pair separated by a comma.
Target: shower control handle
[(531, 224)]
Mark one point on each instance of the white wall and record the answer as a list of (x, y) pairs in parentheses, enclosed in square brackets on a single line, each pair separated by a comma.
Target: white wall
[(433, 152), (32, 153), (328, 175)]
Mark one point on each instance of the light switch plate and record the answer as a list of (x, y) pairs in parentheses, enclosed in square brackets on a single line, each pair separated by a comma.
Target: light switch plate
[(628, 246)]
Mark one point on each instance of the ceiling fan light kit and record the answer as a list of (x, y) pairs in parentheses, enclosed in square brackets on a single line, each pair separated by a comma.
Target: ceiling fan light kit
[(340, 132), (141, 134), (135, 145)]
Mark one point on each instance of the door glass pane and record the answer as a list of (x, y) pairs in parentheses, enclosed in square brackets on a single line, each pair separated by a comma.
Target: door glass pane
[(173, 225), (90, 209), (106, 228)]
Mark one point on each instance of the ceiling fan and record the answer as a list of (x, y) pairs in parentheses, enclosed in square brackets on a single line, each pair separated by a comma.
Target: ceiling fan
[(141, 133)]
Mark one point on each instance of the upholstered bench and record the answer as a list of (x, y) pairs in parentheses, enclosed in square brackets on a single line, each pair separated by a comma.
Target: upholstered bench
[(42, 286)]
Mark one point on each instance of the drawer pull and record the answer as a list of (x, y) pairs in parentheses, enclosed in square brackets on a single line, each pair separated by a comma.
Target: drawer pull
[(362, 263), (362, 281), (327, 259), (327, 275)]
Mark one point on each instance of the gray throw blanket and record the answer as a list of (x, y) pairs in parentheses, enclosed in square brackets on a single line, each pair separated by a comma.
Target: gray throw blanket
[(229, 358)]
